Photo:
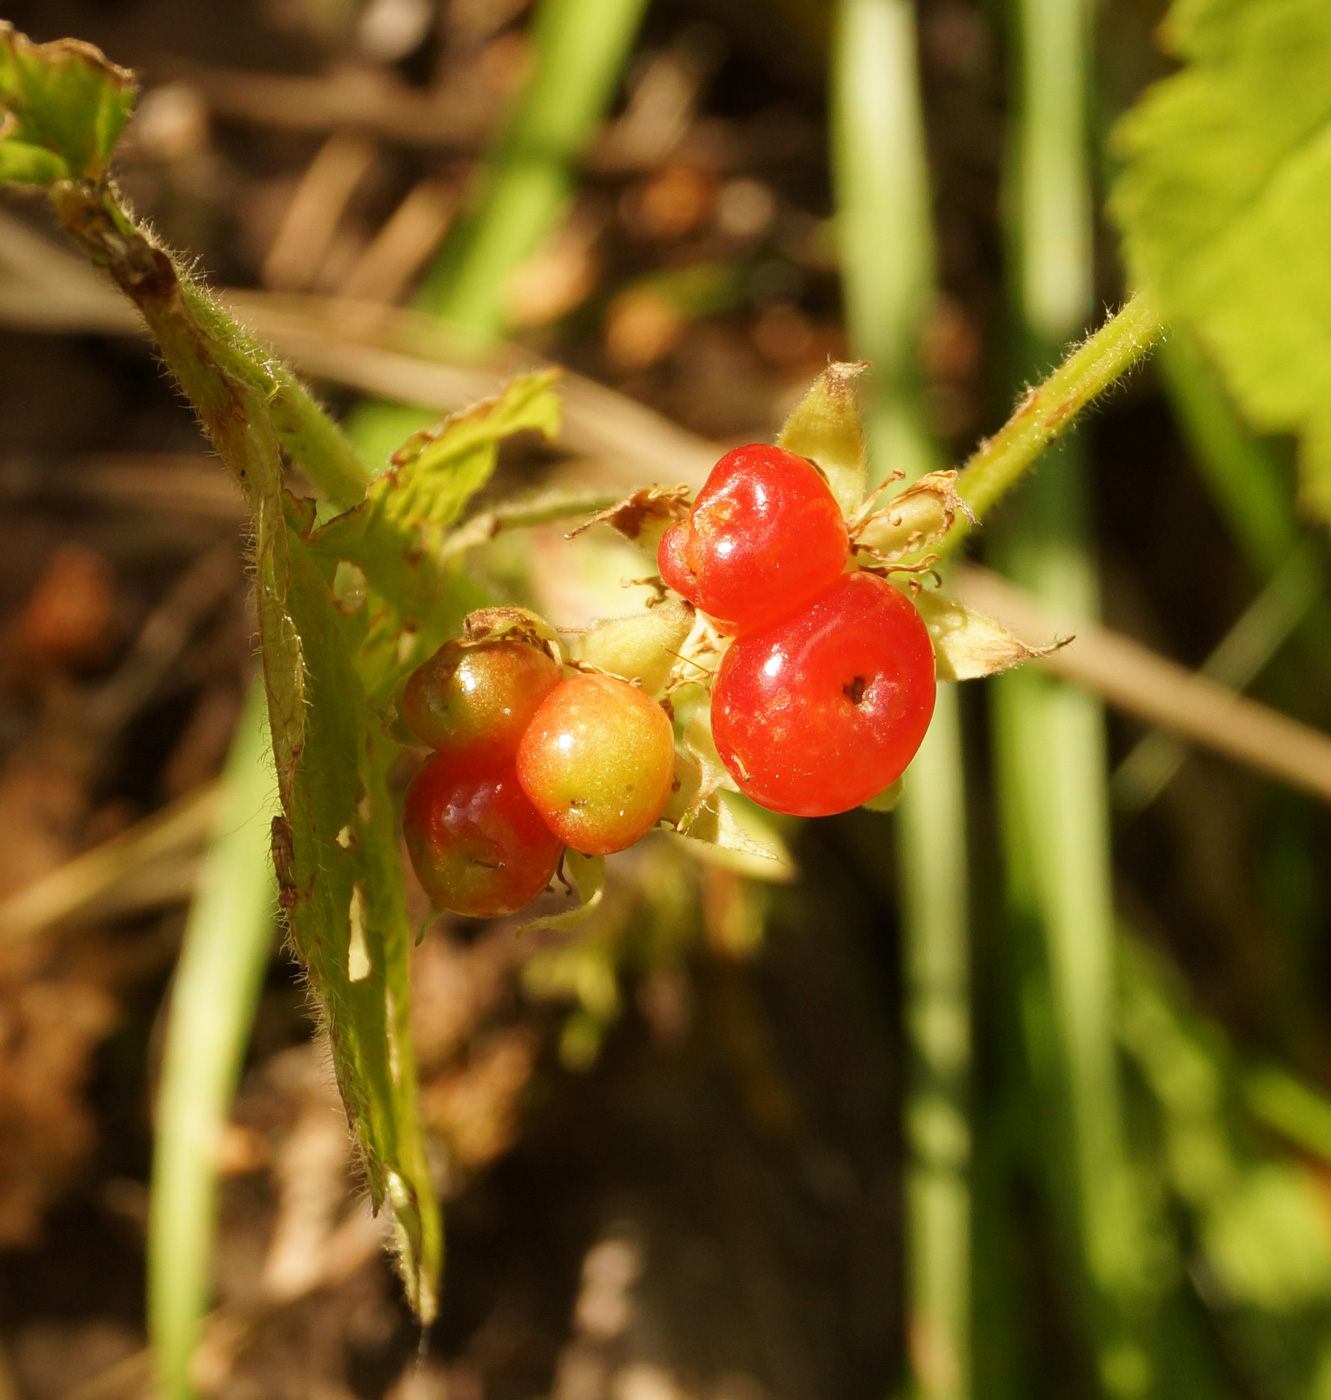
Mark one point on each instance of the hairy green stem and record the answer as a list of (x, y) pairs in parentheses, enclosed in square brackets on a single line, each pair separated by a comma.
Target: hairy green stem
[(213, 358), (1049, 410)]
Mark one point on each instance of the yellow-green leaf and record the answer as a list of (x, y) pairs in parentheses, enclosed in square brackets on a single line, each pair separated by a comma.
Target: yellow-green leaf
[(63, 99), (1225, 207)]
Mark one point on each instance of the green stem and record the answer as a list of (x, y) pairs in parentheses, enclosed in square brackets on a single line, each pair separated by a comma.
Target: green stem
[(227, 941), (579, 51), (1049, 410), (239, 390), (932, 833), (884, 219), (884, 223), (1050, 737)]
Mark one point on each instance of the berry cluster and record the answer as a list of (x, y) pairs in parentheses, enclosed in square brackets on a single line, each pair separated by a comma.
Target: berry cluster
[(526, 762), (827, 689), (824, 692)]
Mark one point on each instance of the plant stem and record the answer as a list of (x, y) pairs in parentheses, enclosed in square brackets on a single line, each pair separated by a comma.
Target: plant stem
[(1248, 482), (227, 941), (579, 51), (579, 48), (932, 834), (884, 220), (1050, 737), (214, 359), (1049, 410), (883, 215)]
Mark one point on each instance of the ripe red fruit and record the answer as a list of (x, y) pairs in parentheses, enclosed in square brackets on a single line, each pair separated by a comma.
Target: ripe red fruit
[(598, 762), (477, 844), (823, 710), (475, 702), (764, 536)]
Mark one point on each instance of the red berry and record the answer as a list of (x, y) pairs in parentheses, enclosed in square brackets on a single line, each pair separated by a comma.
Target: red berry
[(598, 762), (764, 536), (477, 701), (823, 710), (477, 844)]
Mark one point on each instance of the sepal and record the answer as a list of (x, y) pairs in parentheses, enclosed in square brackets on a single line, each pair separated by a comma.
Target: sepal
[(825, 427), (970, 644)]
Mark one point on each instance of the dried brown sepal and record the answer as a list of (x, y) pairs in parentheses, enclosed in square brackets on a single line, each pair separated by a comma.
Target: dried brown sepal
[(644, 516), (970, 644), (825, 427), (488, 625), (916, 518)]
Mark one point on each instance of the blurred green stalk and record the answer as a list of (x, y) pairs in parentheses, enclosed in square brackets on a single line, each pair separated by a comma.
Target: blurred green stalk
[(932, 858), (228, 937), (1050, 737), (887, 258), (884, 220), (1250, 488), (1261, 630), (579, 48)]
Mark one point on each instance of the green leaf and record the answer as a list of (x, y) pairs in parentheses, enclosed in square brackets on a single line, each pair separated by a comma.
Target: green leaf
[(396, 536), (1225, 207), (24, 164), (342, 891), (335, 847), (65, 107)]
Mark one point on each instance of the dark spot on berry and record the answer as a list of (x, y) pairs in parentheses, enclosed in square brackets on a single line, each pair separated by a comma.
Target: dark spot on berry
[(854, 692)]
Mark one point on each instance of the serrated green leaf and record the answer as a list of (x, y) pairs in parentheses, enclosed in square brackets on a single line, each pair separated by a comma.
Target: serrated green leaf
[(335, 847), (343, 896), (1225, 207), (825, 427), (397, 535), (64, 99)]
